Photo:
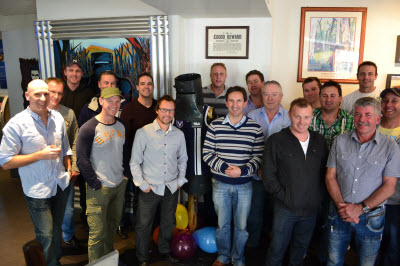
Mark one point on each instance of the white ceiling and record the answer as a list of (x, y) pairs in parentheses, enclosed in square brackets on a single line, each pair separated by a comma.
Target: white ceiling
[(17, 7), (184, 8), (212, 8)]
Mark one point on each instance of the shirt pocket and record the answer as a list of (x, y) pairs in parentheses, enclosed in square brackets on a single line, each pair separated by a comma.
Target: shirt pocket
[(32, 142), (345, 165), (376, 165)]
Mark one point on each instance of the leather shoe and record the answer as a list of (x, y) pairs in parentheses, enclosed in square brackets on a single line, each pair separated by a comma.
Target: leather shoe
[(169, 258), (122, 232), (73, 242), (218, 263)]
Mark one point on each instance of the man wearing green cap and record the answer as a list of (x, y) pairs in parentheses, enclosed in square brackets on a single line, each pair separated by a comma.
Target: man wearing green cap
[(99, 152)]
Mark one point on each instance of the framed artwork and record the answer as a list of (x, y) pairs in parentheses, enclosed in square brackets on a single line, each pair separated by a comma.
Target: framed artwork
[(392, 80), (331, 43), (126, 57), (227, 42), (397, 59)]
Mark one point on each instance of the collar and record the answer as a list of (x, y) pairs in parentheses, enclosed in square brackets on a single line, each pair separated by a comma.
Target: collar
[(227, 120), (222, 93), (376, 138), (35, 115), (280, 111), (157, 127), (341, 113)]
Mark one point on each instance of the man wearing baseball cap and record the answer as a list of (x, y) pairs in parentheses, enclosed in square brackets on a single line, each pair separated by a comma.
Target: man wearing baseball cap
[(99, 152), (390, 126)]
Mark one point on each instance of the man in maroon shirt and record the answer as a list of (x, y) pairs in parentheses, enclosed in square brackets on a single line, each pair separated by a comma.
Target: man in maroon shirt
[(136, 114)]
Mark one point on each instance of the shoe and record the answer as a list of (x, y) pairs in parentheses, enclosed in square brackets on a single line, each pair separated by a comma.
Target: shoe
[(122, 232), (144, 263), (73, 243), (169, 258), (218, 263)]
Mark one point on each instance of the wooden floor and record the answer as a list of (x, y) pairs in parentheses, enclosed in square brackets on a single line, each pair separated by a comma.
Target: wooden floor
[(16, 229)]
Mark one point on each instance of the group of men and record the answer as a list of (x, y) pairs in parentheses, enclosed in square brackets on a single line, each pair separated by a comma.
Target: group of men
[(332, 165), (323, 162)]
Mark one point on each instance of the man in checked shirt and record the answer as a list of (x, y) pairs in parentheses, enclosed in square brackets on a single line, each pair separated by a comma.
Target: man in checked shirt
[(330, 121)]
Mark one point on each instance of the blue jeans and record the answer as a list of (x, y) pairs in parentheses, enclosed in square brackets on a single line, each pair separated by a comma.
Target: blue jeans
[(391, 236), (368, 234), (289, 228), (47, 215), (68, 224), (256, 218), (231, 201)]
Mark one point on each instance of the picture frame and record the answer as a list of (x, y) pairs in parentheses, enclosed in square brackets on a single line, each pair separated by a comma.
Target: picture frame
[(227, 42), (397, 59), (331, 43), (392, 80)]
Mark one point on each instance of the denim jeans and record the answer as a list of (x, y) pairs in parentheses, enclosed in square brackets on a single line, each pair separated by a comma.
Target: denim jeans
[(231, 201), (47, 215), (146, 210), (390, 249), (289, 228), (368, 234), (256, 218), (68, 224), (104, 208)]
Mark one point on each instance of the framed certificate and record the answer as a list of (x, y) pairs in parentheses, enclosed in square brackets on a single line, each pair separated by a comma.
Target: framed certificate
[(230, 42)]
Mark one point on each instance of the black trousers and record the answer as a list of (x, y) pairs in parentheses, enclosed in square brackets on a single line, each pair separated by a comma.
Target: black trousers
[(146, 210)]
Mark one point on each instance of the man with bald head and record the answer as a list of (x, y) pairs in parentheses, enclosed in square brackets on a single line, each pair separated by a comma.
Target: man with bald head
[(36, 142)]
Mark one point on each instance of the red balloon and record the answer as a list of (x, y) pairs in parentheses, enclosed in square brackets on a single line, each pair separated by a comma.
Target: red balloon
[(155, 234), (183, 246)]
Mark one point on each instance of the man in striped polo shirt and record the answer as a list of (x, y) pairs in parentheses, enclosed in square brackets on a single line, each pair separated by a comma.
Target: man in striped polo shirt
[(233, 148), (214, 94)]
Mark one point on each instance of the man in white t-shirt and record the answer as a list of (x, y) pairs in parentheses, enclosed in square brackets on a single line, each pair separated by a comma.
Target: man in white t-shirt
[(367, 73)]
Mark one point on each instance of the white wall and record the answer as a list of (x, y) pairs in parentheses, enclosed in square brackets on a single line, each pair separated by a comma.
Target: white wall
[(19, 41), (78, 9), (383, 24), (187, 51)]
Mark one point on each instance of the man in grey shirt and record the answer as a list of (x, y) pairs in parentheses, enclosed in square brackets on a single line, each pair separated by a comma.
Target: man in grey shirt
[(158, 166), (362, 168)]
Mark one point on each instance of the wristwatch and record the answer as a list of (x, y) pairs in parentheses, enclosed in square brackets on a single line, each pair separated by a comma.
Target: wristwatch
[(365, 207), (69, 171)]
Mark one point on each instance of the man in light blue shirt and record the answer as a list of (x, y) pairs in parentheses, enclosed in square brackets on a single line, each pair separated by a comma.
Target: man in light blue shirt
[(272, 118), (35, 141)]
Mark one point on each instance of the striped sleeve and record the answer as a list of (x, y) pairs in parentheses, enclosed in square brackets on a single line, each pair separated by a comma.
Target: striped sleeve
[(210, 156), (254, 162)]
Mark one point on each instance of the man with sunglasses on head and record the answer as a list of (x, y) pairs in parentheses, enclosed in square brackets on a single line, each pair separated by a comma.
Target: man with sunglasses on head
[(158, 166)]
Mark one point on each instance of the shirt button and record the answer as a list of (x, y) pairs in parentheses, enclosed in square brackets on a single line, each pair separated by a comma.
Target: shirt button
[(358, 168), (354, 192), (165, 172), (359, 157), (356, 180)]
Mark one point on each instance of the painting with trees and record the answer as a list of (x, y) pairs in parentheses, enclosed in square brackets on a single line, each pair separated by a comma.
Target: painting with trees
[(126, 57), (331, 43)]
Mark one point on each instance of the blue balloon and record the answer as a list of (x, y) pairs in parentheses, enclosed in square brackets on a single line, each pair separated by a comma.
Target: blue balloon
[(206, 240)]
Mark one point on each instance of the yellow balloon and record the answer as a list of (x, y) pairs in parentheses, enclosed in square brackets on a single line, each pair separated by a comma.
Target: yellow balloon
[(181, 216)]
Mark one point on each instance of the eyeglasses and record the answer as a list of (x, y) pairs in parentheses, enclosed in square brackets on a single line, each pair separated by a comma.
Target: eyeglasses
[(164, 110)]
